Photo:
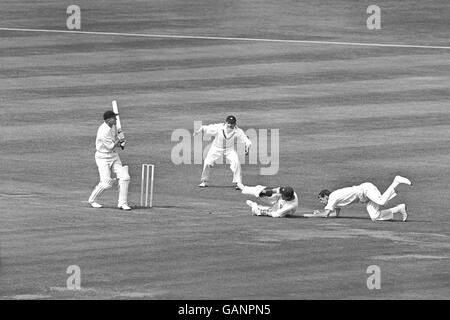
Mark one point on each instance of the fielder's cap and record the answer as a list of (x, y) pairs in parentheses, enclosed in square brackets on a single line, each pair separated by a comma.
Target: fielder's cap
[(287, 193), (231, 120), (109, 114)]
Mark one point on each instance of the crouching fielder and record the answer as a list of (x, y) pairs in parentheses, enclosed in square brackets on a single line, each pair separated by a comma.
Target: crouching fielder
[(108, 160), (365, 193), (279, 202), (223, 144)]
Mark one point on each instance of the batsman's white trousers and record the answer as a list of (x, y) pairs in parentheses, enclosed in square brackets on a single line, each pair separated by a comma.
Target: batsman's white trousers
[(215, 154), (107, 162)]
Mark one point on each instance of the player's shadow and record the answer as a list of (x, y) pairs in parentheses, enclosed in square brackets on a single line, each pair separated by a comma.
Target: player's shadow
[(328, 219), (296, 217), (219, 187), (162, 207), (354, 218), (366, 218), (408, 221)]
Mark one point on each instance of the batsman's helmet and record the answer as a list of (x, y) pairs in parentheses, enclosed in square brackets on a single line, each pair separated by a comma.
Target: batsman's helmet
[(231, 120), (109, 114), (287, 193)]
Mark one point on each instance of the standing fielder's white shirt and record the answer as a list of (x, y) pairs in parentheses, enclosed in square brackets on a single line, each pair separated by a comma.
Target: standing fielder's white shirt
[(106, 138), (224, 140), (345, 196)]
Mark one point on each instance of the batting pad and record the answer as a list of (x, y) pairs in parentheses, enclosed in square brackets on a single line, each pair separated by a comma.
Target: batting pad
[(123, 174)]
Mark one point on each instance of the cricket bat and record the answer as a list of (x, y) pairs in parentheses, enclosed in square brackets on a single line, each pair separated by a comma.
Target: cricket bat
[(118, 124)]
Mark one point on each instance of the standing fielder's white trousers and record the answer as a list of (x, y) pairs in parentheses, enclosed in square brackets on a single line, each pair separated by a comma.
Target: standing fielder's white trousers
[(215, 154), (105, 164)]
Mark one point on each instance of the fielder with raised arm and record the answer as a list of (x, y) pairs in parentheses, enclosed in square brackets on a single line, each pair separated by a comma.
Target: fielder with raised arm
[(366, 193), (280, 202), (223, 144), (107, 159)]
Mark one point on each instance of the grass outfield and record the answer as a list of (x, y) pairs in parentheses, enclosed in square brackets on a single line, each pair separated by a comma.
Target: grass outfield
[(346, 115)]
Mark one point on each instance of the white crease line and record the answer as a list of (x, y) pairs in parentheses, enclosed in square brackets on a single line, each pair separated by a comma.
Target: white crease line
[(228, 38)]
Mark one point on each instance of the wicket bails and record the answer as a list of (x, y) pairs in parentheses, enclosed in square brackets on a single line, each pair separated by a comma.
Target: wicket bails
[(146, 178)]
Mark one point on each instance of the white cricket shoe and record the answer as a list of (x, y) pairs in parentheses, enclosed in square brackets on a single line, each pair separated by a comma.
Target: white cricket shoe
[(95, 205), (403, 180), (204, 184), (125, 207), (403, 212)]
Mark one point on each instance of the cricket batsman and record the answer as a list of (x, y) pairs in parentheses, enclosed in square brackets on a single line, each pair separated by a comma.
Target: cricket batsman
[(279, 202), (107, 159), (366, 193), (223, 144)]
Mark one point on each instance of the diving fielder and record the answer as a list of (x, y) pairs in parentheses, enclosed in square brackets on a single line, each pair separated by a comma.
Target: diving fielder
[(280, 202), (366, 193), (108, 160), (223, 144)]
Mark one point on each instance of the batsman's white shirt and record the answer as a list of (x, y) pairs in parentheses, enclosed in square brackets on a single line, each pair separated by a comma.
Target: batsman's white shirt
[(224, 140), (345, 196), (106, 156), (106, 138)]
